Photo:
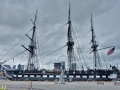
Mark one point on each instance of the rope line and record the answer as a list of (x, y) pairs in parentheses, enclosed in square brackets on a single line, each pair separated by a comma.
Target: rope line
[(51, 53), (14, 45), (12, 57)]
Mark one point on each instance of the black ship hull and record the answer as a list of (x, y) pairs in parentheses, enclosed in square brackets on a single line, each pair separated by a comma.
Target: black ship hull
[(89, 75)]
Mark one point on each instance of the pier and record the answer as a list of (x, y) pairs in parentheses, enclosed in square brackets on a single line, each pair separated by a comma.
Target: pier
[(46, 85)]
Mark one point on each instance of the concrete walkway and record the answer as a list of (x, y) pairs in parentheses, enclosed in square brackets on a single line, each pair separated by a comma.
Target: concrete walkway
[(36, 85)]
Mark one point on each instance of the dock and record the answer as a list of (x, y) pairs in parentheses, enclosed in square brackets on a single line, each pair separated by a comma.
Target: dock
[(49, 85)]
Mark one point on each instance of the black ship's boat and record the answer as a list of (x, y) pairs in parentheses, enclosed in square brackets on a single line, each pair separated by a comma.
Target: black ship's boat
[(33, 74)]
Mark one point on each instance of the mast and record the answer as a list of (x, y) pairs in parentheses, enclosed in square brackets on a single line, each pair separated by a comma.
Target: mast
[(31, 64), (70, 45), (94, 45)]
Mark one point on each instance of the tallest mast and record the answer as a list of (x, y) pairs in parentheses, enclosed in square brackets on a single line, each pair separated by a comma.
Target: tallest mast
[(70, 45), (94, 45)]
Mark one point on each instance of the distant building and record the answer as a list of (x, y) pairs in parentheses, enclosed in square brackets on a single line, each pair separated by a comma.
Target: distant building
[(57, 66), (20, 67), (14, 67), (62, 66)]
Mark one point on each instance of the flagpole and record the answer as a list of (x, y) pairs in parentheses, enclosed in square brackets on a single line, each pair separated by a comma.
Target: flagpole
[(106, 48)]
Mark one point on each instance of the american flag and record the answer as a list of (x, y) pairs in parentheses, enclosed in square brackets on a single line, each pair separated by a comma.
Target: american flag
[(111, 51)]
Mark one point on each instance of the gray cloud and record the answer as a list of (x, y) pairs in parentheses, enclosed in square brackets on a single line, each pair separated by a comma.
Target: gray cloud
[(52, 15)]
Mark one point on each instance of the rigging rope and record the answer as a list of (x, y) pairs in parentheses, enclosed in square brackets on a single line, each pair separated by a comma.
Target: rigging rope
[(51, 53), (78, 59), (104, 60), (12, 57), (98, 56), (8, 35), (52, 33), (39, 54), (80, 48), (14, 45)]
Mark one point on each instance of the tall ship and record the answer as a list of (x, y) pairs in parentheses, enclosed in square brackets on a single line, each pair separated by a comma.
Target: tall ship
[(33, 73)]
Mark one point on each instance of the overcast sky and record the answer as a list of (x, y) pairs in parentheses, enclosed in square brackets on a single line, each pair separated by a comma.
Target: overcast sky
[(51, 25)]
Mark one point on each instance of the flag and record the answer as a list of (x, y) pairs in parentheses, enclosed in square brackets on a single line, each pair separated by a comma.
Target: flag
[(111, 51)]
